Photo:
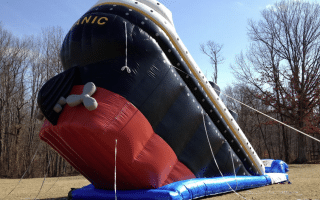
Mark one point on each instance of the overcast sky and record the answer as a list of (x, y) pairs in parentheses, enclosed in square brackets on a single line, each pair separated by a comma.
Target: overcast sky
[(223, 21)]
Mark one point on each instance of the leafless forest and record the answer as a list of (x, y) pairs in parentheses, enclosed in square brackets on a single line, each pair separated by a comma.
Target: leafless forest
[(284, 54), (269, 139), (281, 70), (25, 65)]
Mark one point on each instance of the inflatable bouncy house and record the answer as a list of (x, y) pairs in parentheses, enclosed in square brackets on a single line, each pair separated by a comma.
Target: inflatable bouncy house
[(132, 98)]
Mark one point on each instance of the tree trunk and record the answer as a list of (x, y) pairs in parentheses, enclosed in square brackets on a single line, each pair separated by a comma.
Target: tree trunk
[(285, 141), (302, 147), (302, 157)]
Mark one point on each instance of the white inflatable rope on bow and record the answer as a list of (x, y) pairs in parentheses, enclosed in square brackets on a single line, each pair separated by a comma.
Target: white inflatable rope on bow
[(89, 102)]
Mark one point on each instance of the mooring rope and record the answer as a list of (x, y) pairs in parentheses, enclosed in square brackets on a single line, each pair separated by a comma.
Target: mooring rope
[(44, 177), (272, 118), (115, 170), (214, 158), (126, 61), (64, 168), (255, 109), (234, 170), (25, 171)]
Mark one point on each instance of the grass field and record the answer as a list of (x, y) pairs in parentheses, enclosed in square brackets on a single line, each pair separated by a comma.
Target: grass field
[(305, 181)]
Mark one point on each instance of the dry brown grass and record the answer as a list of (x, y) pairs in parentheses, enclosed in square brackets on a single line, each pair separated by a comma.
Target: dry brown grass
[(29, 188), (305, 185)]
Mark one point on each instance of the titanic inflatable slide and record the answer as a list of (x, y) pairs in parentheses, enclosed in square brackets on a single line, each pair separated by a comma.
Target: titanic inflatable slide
[(132, 98)]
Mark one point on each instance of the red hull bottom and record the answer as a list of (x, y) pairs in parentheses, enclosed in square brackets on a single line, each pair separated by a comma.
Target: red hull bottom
[(86, 139)]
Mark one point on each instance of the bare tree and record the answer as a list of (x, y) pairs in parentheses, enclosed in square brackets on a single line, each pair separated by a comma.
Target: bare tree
[(14, 52), (25, 64), (283, 65), (266, 137), (213, 50), (50, 45)]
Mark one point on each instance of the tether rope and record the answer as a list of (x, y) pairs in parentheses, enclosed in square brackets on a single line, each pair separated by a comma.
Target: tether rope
[(64, 169), (126, 61), (234, 170), (115, 170), (25, 171), (256, 109), (214, 158), (272, 118), (44, 177)]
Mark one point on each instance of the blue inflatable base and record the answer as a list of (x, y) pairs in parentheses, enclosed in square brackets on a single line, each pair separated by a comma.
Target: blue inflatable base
[(275, 166), (187, 189)]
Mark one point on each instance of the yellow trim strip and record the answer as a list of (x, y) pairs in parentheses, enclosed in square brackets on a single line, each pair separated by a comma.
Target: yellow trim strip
[(193, 72)]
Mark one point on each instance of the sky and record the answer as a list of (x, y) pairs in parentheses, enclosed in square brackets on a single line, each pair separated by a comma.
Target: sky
[(196, 22)]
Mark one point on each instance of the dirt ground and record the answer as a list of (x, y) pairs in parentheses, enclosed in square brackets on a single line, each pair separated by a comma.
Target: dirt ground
[(305, 181)]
